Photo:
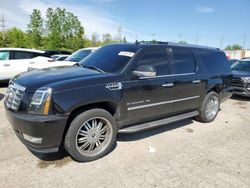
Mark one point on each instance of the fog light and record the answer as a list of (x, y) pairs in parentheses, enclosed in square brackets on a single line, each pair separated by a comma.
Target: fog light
[(32, 139)]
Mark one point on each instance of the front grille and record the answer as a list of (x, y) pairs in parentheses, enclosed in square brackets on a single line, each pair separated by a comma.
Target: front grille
[(237, 82), (14, 96)]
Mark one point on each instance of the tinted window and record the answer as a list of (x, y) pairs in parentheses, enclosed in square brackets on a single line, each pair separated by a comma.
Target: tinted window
[(182, 60), (157, 58), (110, 58), (214, 61), (4, 55), (34, 54), (20, 55)]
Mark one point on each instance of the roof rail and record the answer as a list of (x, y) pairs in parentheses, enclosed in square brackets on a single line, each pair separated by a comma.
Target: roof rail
[(150, 42)]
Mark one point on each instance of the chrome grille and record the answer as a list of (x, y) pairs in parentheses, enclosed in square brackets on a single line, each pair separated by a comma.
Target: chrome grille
[(14, 96), (237, 82)]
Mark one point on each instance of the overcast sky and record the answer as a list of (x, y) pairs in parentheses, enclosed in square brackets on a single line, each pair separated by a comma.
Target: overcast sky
[(212, 23)]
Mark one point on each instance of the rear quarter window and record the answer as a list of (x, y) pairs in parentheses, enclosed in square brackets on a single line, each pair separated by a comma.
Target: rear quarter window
[(214, 61)]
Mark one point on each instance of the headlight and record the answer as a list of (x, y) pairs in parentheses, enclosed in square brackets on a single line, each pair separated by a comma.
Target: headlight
[(246, 79), (40, 103)]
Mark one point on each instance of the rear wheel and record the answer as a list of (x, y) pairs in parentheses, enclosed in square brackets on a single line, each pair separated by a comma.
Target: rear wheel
[(209, 108), (91, 135)]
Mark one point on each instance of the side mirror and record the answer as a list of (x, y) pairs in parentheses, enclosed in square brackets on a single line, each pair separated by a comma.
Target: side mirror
[(144, 71)]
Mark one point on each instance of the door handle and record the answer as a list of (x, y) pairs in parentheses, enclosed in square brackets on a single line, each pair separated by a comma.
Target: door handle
[(6, 65), (196, 81), (168, 85)]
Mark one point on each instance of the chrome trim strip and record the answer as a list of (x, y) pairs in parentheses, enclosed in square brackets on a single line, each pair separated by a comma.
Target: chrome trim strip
[(160, 103), (170, 75)]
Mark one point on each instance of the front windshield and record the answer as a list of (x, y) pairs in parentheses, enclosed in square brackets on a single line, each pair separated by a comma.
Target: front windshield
[(110, 58), (241, 66), (78, 55)]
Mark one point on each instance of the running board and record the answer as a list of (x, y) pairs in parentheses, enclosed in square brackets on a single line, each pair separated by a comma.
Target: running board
[(157, 123)]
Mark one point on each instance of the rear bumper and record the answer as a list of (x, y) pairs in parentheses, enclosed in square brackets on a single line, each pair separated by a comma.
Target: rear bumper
[(48, 129), (226, 94)]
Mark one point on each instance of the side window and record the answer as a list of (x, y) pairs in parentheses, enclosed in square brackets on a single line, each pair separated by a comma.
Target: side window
[(181, 60), (157, 58), (4, 55), (20, 55)]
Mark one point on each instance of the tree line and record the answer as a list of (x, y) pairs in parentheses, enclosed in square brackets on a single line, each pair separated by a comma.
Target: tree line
[(60, 30)]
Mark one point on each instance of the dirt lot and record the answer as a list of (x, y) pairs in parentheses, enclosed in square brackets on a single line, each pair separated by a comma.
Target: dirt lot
[(183, 154)]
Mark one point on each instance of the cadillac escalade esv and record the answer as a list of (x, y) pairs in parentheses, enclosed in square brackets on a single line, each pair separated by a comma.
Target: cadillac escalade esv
[(122, 88)]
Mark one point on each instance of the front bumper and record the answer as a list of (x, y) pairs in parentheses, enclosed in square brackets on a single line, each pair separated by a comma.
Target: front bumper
[(241, 91), (49, 128)]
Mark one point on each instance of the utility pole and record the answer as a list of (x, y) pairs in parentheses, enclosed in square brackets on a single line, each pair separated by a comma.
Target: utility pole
[(221, 41), (244, 41), (180, 36), (197, 38), (119, 29), (3, 26), (153, 36)]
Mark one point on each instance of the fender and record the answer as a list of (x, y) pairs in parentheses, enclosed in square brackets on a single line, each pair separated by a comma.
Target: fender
[(214, 83), (84, 96)]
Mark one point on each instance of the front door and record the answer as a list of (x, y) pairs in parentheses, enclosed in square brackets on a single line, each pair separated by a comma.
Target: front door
[(149, 98)]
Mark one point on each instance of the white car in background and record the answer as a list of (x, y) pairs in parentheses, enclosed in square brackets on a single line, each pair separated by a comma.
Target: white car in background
[(16, 60), (60, 57), (69, 61)]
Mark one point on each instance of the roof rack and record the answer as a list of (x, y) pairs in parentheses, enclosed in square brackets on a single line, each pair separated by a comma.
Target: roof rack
[(150, 42)]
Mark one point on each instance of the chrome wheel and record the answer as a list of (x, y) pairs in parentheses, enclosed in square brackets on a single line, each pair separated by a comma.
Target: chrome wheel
[(94, 136), (212, 107)]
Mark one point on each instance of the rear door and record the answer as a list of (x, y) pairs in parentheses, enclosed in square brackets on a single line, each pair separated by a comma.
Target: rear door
[(149, 98), (19, 62), (187, 82)]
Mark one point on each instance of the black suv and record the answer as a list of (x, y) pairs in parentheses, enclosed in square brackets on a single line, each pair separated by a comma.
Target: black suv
[(122, 88)]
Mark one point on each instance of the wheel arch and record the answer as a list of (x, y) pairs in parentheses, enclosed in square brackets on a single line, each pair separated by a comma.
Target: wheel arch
[(111, 107)]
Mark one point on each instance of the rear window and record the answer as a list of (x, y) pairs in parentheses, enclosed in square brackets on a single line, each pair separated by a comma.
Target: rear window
[(181, 60), (214, 61)]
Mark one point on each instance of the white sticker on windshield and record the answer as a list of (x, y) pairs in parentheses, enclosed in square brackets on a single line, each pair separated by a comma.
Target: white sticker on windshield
[(128, 54)]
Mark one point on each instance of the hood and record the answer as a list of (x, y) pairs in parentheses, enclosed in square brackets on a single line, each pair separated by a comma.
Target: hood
[(37, 78), (239, 74)]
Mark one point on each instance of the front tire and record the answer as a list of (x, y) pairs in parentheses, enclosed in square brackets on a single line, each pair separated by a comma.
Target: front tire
[(91, 135), (209, 108)]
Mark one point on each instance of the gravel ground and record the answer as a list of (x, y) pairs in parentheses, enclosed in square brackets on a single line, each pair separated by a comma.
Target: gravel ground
[(183, 154)]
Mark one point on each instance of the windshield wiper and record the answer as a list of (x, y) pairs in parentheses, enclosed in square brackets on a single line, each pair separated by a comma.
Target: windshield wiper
[(91, 67)]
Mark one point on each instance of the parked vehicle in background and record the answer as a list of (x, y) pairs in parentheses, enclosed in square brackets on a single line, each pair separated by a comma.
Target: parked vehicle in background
[(69, 61), (120, 88), (50, 53), (241, 77), (16, 60), (232, 61), (81, 54), (59, 57)]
